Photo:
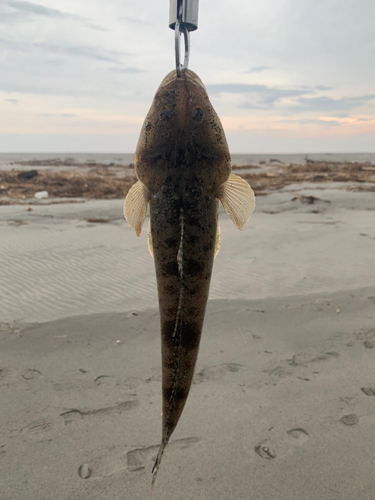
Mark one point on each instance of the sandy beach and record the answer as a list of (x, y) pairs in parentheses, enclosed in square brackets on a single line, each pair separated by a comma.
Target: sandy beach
[(283, 402)]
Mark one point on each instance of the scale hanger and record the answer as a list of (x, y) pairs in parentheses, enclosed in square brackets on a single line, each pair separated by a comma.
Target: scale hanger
[(183, 18)]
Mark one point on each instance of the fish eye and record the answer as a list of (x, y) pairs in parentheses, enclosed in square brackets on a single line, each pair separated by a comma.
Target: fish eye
[(165, 114), (197, 114)]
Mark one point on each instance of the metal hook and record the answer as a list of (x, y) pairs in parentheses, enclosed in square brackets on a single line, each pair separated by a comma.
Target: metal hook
[(179, 30), (183, 18)]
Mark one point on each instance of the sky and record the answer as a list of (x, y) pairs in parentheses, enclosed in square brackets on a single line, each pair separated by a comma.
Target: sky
[(285, 76)]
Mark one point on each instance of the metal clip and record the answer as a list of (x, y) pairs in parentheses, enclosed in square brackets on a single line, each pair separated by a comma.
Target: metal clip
[(183, 18), (189, 15)]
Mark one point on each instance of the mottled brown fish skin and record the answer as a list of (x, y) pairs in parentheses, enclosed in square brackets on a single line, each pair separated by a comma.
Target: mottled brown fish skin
[(183, 289), (182, 157)]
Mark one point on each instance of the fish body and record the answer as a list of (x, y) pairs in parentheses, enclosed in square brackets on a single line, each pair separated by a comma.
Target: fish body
[(183, 165)]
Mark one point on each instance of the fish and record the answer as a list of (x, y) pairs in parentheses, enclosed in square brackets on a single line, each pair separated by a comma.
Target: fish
[(183, 166)]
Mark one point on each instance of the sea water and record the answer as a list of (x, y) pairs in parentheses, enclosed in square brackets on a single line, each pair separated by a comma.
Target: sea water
[(9, 161)]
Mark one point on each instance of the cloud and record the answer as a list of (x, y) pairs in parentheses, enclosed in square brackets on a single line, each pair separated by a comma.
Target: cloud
[(234, 88), (7, 18), (257, 69), (133, 20), (327, 123), (33, 9), (15, 46), (65, 115), (315, 87), (301, 67), (82, 51), (12, 101), (322, 87), (40, 10), (126, 70), (327, 104), (269, 97), (261, 96), (88, 51)]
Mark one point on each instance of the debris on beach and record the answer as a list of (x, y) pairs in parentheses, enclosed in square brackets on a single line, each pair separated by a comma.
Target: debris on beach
[(29, 174), (99, 181), (97, 220), (351, 173), (88, 183), (308, 199), (40, 195)]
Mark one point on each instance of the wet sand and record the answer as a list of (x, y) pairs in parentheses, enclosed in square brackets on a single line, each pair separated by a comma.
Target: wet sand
[(283, 404)]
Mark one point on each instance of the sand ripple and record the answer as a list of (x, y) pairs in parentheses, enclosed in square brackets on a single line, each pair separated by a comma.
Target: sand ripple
[(57, 264)]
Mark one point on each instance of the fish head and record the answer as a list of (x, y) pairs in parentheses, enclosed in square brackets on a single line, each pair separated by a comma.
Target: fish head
[(182, 134)]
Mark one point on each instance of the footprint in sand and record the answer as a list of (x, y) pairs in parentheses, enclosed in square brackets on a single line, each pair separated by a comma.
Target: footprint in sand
[(327, 356), (116, 461), (350, 419), (264, 451), (138, 457), (84, 471), (299, 435), (106, 380), (369, 391), (213, 372), (3, 374), (37, 428), (282, 443), (365, 335), (31, 374), (74, 414), (280, 372), (304, 359)]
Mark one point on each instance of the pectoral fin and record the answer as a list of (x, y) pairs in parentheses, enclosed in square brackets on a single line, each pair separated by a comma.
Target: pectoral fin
[(217, 243), (149, 241), (238, 200), (135, 206)]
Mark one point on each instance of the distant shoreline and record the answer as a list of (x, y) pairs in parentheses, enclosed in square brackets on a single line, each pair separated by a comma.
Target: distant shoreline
[(238, 159)]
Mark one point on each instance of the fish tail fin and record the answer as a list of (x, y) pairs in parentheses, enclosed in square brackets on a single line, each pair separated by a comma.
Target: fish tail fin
[(156, 466)]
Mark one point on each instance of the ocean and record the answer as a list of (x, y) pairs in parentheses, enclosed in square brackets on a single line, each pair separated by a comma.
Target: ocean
[(10, 160)]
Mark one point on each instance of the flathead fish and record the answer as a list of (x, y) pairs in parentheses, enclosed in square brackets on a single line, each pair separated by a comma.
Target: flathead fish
[(183, 167)]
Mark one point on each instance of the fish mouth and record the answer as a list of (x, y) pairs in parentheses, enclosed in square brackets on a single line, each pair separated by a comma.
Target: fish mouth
[(187, 75)]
